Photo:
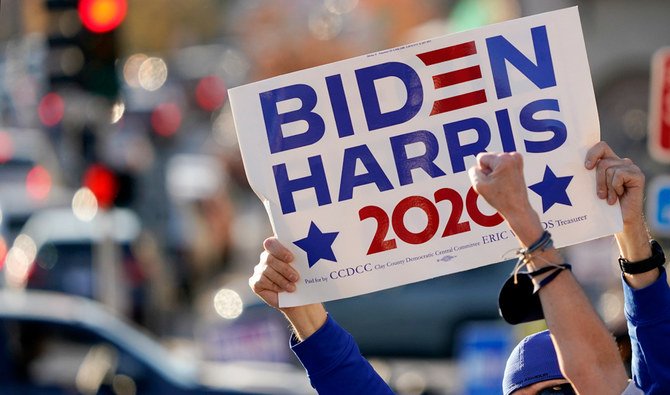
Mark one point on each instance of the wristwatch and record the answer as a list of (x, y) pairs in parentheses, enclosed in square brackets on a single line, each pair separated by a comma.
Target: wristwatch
[(657, 259)]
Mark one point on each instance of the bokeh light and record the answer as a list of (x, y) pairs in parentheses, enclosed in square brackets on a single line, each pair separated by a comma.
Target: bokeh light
[(19, 260), (635, 123), (235, 64), (124, 385), (69, 23), (210, 93), (102, 16), (228, 304), (118, 109), (98, 362), (152, 74), (131, 69), (325, 25), (71, 61), (223, 129), (411, 383), (340, 6), (610, 307), (84, 204), (38, 183), (51, 109), (26, 244), (6, 147), (166, 119), (17, 266)]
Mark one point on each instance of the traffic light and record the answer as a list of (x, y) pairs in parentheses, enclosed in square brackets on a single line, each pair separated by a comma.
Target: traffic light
[(103, 183), (102, 16), (109, 186), (83, 45)]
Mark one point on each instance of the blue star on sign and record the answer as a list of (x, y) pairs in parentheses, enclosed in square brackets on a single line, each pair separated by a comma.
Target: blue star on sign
[(317, 245), (552, 189)]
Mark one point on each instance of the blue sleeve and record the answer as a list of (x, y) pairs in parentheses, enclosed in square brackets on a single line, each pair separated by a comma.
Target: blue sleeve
[(648, 315), (335, 365)]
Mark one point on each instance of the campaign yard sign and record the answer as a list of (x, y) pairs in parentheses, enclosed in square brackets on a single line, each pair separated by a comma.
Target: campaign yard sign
[(362, 164)]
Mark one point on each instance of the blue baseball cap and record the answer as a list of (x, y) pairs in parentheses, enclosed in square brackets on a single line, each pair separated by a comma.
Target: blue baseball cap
[(532, 360)]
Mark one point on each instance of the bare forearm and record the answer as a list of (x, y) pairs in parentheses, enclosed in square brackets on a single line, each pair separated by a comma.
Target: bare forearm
[(526, 225), (586, 351), (633, 244), (583, 344), (305, 320)]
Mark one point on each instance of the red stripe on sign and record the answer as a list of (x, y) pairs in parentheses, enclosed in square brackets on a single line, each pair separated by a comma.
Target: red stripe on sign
[(448, 53), (664, 127), (460, 101), (457, 77)]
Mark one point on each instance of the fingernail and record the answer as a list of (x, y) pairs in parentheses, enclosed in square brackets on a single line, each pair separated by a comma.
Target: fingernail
[(290, 288), (602, 194), (587, 163), (293, 277)]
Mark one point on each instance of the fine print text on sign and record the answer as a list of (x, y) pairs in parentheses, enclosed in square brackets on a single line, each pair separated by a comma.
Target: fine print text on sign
[(362, 164)]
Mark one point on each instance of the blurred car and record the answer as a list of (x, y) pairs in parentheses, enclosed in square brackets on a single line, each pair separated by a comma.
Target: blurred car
[(422, 319), (51, 343), (57, 251), (30, 177)]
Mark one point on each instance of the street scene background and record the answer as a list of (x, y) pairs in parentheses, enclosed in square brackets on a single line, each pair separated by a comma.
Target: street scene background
[(123, 194)]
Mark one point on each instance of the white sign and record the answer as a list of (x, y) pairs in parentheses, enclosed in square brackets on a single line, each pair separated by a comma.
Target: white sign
[(362, 164)]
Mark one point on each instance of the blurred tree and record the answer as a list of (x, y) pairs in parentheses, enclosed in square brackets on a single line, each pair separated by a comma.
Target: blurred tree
[(160, 25), (34, 16)]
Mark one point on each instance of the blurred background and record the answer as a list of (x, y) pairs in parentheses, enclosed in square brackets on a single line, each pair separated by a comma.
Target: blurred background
[(128, 230)]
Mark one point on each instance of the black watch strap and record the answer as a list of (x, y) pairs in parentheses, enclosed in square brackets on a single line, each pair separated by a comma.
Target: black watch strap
[(657, 259)]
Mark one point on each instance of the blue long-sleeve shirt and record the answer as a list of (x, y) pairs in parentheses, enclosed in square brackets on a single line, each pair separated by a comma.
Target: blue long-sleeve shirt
[(648, 315), (335, 365)]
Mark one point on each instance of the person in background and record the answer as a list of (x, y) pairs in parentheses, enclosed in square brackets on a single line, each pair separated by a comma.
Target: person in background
[(576, 355)]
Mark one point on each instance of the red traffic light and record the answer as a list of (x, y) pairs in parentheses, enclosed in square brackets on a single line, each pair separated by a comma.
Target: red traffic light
[(103, 183), (101, 16)]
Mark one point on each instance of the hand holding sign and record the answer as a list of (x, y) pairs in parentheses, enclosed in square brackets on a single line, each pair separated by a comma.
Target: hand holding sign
[(620, 179), (617, 178), (274, 273)]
